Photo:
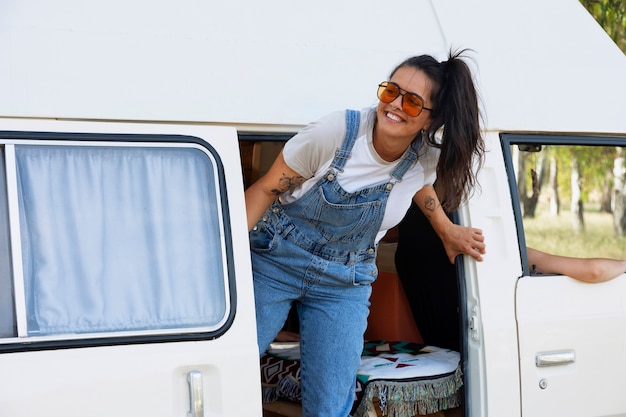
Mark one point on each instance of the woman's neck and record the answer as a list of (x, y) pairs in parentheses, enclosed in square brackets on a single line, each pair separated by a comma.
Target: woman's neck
[(389, 149)]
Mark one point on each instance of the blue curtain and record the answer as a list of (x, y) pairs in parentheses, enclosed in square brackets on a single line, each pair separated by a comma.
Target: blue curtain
[(118, 238)]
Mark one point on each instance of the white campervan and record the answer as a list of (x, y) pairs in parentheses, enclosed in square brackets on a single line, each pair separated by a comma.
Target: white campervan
[(129, 128)]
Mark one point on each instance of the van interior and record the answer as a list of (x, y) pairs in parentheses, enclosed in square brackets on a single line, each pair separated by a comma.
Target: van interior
[(414, 305)]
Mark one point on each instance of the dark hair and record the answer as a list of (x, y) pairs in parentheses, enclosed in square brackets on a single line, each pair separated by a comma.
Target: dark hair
[(456, 111)]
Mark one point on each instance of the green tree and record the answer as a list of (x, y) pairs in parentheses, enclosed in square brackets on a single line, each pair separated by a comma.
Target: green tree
[(611, 15)]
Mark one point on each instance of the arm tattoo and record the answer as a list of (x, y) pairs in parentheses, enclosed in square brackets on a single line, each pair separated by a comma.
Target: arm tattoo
[(430, 204), (286, 183)]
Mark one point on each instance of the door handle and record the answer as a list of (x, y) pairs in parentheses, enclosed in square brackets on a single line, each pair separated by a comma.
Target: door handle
[(196, 398), (555, 358)]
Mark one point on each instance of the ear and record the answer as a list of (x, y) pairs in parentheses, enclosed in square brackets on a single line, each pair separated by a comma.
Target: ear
[(428, 122)]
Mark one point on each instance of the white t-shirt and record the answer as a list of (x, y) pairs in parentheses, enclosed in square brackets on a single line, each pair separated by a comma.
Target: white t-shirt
[(312, 150)]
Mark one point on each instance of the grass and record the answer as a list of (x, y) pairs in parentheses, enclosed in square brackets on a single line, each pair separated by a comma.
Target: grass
[(555, 234)]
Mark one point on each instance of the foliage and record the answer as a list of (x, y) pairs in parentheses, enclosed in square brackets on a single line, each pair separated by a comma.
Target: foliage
[(611, 15), (594, 162)]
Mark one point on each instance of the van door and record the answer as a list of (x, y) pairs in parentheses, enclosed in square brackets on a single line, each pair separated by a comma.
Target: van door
[(125, 280), (571, 338)]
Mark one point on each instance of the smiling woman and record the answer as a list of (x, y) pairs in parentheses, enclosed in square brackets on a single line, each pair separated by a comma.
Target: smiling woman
[(317, 215)]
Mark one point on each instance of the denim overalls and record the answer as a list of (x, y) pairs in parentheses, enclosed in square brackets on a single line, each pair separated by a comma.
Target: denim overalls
[(319, 252)]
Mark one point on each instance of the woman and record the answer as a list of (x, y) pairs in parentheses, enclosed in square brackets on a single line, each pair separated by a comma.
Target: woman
[(317, 215)]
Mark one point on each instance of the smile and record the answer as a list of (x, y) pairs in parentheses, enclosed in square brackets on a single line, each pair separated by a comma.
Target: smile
[(393, 117)]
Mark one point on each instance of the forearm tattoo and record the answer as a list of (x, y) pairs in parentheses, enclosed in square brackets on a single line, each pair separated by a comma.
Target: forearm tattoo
[(286, 183)]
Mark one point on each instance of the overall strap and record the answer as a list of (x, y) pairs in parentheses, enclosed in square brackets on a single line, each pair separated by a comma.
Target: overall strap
[(353, 121)]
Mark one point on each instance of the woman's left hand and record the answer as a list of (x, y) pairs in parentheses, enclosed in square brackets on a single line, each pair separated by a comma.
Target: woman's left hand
[(459, 240)]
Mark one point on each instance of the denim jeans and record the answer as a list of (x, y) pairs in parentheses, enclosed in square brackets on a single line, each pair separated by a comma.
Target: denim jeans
[(332, 305), (319, 252)]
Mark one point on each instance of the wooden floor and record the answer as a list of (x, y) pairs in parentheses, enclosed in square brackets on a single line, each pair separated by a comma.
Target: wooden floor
[(282, 409)]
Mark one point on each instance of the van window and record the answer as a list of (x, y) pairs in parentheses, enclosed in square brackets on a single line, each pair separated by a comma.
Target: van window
[(570, 194), (113, 238)]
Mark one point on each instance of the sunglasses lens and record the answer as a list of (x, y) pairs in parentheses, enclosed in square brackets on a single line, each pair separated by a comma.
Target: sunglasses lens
[(388, 92), (412, 104)]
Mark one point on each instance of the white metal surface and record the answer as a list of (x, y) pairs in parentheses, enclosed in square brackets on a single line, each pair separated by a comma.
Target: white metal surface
[(493, 380), (560, 315), (544, 66), (237, 62), (146, 379)]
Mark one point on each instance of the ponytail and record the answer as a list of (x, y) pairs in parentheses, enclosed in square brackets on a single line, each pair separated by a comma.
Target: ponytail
[(456, 113)]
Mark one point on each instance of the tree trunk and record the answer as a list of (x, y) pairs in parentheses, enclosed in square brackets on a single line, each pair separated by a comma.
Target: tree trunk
[(553, 191), (605, 199), (619, 194), (578, 221), (530, 204), (521, 177)]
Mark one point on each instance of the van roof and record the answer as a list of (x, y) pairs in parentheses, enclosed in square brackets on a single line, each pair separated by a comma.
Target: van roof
[(541, 66)]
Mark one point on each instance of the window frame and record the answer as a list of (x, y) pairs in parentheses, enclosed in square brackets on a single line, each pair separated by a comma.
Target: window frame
[(7, 304), (8, 139), (562, 139)]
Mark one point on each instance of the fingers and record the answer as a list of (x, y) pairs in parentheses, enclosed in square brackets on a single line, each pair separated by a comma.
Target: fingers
[(477, 231), (478, 247), (476, 254), (468, 241)]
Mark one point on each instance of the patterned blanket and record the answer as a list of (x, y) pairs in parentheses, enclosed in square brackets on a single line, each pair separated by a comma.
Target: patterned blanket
[(406, 378)]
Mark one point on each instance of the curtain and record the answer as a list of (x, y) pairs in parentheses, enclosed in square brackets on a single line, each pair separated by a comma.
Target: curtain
[(119, 239)]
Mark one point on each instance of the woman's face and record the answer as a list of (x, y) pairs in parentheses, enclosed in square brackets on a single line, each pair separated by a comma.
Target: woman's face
[(392, 121)]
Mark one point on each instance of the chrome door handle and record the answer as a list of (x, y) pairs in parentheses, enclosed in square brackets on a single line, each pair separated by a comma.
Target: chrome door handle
[(555, 358), (196, 399)]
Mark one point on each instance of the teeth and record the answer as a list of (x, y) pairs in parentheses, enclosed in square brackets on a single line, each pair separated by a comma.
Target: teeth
[(393, 117)]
